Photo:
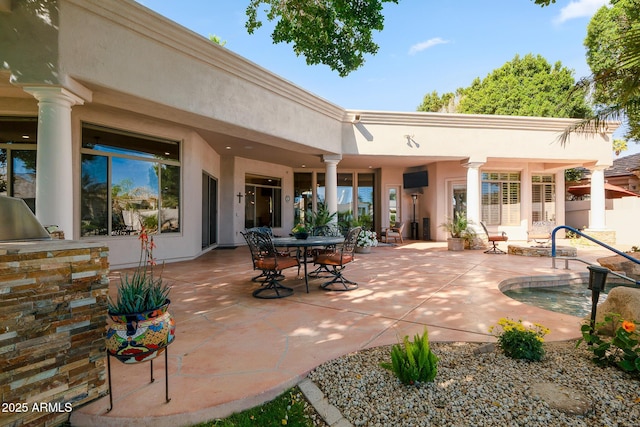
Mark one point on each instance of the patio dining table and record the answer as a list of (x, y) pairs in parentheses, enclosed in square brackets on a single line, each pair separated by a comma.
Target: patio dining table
[(311, 241)]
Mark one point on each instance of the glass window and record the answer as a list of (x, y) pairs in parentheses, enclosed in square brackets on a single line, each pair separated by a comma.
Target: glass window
[(543, 198), (94, 196), (365, 199), (501, 198), (18, 142), (394, 205), (345, 198), (363, 189), (263, 202), (302, 196), (128, 181)]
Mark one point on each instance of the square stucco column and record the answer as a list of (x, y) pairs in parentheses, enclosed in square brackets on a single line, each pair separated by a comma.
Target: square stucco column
[(473, 191), (597, 220), (54, 165)]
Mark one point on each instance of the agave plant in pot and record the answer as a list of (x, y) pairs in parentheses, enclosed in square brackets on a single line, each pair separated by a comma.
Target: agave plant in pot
[(141, 327)]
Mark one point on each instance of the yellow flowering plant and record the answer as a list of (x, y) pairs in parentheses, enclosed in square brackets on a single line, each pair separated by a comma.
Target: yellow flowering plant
[(520, 341), (621, 349)]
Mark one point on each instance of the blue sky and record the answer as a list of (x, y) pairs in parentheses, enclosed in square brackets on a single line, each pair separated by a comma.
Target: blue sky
[(425, 45)]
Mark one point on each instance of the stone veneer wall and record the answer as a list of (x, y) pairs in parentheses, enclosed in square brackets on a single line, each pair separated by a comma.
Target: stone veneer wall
[(52, 321)]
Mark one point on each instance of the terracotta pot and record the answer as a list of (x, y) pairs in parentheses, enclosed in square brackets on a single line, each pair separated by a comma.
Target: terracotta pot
[(455, 244), (138, 337)]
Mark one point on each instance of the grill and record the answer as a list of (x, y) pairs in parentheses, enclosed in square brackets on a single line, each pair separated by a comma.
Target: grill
[(18, 223)]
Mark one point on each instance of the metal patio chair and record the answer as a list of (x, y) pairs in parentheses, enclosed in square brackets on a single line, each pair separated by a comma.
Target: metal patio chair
[(267, 259), (336, 260)]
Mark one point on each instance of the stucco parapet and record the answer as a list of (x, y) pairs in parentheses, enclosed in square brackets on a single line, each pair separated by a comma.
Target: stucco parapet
[(452, 120), (151, 25)]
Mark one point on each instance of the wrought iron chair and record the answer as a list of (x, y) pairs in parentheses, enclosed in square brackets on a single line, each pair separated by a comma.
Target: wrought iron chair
[(335, 261), (493, 239), (266, 258), (331, 230)]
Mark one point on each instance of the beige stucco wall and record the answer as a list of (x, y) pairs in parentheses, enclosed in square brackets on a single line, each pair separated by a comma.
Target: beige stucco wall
[(166, 64), (472, 137), (21, 33), (621, 216)]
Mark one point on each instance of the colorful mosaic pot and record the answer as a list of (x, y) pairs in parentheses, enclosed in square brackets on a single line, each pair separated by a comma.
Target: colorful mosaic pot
[(138, 337)]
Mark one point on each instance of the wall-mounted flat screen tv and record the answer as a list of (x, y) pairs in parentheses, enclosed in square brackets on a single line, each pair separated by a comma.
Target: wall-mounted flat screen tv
[(415, 179)]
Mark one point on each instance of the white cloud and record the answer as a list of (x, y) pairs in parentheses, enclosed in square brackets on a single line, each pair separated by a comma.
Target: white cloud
[(579, 9), (419, 47)]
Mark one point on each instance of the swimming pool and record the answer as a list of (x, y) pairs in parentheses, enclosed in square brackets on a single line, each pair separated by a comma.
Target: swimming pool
[(573, 298)]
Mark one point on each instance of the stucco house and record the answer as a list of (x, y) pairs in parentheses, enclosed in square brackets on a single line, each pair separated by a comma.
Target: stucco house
[(625, 173), (112, 116), (622, 200)]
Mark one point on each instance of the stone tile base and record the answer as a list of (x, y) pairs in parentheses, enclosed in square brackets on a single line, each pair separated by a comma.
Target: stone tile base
[(541, 251)]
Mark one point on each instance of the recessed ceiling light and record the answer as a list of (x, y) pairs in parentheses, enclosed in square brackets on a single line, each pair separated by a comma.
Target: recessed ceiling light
[(303, 166), (25, 136), (227, 147)]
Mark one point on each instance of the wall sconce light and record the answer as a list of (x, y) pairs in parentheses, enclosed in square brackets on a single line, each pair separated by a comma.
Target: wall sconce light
[(239, 196)]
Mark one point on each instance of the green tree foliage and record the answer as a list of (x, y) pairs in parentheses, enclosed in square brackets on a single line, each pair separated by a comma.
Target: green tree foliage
[(434, 103), (337, 33), (527, 86), (217, 40), (613, 54)]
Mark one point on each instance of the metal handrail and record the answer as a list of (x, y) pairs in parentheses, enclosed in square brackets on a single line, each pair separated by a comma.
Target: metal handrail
[(604, 245)]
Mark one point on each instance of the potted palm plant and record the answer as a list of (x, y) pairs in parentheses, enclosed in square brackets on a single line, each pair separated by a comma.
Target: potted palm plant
[(141, 327), (459, 231)]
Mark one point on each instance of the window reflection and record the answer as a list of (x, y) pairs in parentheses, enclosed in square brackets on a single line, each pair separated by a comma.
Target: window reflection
[(94, 196), (24, 176), (128, 182), (18, 138)]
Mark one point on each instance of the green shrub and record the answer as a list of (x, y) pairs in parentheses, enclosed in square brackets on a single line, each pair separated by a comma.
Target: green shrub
[(519, 341), (413, 361), (621, 350)]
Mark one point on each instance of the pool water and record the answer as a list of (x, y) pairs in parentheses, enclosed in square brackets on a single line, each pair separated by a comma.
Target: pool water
[(574, 299)]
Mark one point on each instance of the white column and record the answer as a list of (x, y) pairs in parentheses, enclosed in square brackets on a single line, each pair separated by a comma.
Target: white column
[(597, 221), (331, 183), (473, 191), (54, 166)]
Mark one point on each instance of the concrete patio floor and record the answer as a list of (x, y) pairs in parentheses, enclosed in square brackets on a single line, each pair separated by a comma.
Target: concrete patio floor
[(233, 351)]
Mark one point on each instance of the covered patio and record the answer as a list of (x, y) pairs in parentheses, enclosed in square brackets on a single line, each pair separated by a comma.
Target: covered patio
[(233, 351)]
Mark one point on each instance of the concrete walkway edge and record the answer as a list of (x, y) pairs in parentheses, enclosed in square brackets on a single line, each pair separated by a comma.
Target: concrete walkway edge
[(329, 413)]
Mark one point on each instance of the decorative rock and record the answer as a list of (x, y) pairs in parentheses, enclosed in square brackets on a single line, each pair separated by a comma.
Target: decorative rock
[(475, 387), (486, 348), (623, 301), (564, 399), (620, 263)]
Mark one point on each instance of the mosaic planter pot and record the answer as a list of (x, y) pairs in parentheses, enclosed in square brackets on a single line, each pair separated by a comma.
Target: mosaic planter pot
[(138, 337)]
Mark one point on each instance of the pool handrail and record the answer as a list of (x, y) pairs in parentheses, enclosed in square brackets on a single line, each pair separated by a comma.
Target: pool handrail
[(580, 233), (604, 245)]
